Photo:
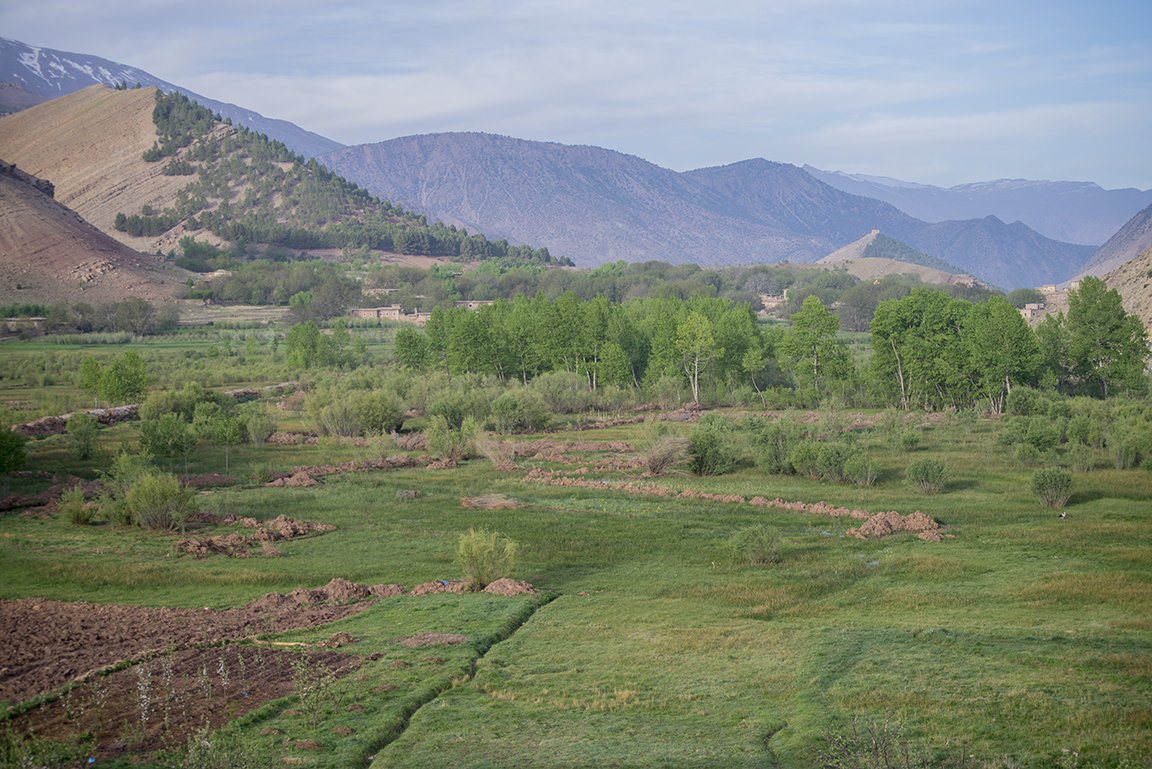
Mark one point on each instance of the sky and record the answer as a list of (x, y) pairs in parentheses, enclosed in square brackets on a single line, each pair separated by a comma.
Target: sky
[(938, 92)]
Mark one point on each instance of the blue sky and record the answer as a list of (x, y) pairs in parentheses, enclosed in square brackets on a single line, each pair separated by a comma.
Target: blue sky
[(939, 92)]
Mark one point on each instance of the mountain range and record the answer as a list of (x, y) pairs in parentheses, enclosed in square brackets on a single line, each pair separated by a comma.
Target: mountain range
[(1075, 212), (596, 205)]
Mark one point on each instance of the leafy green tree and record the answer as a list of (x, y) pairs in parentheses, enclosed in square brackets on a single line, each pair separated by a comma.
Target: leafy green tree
[(82, 432), (90, 376), (11, 454), (125, 379), (696, 344), (411, 349), (812, 347), (1002, 349), (1107, 346)]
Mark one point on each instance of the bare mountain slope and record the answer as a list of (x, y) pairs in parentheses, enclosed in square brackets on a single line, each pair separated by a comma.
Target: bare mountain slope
[(597, 205), (1131, 241), (48, 253), (89, 144)]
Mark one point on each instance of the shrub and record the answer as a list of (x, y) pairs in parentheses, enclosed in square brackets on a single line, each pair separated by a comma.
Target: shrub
[(1027, 454), (1042, 433), (445, 442), (1024, 401), (710, 452), (485, 557), (159, 501), (910, 439), (82, 431), (1081, 458), (860, 471), (757, 545), (257, 423), (831, 461), (74, 508), (666, 451), (929, 476), (506, 413), (1125, 452), (775, 444), (1052, 487), (563, 392), (500, 453), (804, 457)]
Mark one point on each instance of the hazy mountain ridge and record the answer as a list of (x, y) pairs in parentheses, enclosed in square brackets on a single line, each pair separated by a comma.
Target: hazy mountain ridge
[(1130, 241), (53, 73), (1075, 212), (598, 205)]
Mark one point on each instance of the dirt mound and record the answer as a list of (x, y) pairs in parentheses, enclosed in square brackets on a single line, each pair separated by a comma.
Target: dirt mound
[(338, 640), (341, 590), (386, 591), (239, 545), (431, 639), (508, 587), (883, 524), (207, 479), (442, 586), (298, 480), (56, 425), (46, 500)]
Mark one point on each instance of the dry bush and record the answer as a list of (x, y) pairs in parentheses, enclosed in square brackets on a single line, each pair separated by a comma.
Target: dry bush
[(666, 451), (499, 453)]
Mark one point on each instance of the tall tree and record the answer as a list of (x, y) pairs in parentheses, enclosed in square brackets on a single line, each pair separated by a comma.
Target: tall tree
[(696, 343), (1106, 345), (1002, 349), (812, 347)]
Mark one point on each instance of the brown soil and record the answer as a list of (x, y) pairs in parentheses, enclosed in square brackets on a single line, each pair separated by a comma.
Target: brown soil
[(49, 643), (166, 700)]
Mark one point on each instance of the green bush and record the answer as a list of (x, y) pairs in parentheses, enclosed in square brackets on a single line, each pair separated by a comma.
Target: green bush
[(859, 470), (929, 476), (485, 557), (757, 545), (1081, 458), (1024, 401), (774, 446), (833, 458), (1052, 487), (82, 433), (1125, 452), (910, 439), (506, 413), (1027, 454), (445, 442), (158, 501), (804, 457), (711, 452), (74, 508)]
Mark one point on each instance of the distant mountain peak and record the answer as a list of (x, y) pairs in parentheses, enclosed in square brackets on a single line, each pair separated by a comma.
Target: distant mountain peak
[(1074, 212), (51, 73)]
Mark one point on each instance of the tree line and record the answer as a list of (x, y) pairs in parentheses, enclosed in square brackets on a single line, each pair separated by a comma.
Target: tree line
[(929, 350)]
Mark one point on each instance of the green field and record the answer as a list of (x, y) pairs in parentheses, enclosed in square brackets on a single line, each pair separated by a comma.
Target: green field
[(1020, 640)]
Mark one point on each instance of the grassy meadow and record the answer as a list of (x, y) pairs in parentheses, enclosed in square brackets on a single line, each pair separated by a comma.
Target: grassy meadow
[(1020, 640)]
